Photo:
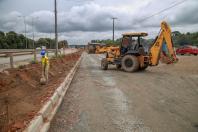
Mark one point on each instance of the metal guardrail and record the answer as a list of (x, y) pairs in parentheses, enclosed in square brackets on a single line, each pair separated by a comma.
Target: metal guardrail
[(12, 53), (21, 50), (4, 53)]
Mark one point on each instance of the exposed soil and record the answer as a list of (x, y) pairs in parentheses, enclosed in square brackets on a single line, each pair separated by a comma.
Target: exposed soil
[(25, 96)]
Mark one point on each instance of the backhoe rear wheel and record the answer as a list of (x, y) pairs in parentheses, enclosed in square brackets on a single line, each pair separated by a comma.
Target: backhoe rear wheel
[(104, 64), (130, 63)]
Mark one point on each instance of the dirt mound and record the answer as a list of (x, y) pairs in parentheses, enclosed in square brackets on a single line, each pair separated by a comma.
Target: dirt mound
[(23, 93)]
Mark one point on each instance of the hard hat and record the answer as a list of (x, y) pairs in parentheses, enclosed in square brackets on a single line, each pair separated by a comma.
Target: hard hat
[(42, 52)]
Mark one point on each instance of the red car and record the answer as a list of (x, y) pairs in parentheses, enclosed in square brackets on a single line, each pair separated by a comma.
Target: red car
[(187, 50)]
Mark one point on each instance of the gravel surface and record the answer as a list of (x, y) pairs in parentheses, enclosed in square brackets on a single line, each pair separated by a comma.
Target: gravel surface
[(160, 99)]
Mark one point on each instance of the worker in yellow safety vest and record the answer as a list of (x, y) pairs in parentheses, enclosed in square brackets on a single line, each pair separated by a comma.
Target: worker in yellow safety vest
[(45, 67)]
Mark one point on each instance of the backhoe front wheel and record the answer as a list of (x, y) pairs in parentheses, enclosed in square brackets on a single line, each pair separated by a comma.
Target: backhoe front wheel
[(118, 66), (143, 68), (104, 64), (130, 63)]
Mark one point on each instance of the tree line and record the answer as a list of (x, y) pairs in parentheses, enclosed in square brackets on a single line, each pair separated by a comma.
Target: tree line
[(12, 40), (179, 39)]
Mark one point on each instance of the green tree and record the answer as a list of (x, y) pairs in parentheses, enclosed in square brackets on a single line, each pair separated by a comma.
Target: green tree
[(2, 40), (42, 42), (176, 33), (63, 44), (21, 41), (11, 39)]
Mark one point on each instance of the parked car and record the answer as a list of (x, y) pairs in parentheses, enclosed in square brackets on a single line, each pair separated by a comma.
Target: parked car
[(187, 50)]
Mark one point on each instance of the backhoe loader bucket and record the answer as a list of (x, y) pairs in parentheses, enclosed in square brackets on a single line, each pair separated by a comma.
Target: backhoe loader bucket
[(165, 57)]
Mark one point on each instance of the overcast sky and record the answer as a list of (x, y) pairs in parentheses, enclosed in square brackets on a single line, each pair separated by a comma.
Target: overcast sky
[(83, 20)]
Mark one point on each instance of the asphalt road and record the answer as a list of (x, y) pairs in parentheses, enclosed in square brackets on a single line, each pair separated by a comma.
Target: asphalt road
[(159, 99)]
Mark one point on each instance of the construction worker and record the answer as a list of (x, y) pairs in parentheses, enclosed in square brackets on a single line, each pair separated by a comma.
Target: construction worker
[(45, 67)]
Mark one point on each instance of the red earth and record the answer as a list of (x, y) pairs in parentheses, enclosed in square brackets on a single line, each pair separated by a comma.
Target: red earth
[(25, 96)]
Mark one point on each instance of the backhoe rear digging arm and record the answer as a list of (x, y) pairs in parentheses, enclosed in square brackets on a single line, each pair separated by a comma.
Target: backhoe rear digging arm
[(155, 50)]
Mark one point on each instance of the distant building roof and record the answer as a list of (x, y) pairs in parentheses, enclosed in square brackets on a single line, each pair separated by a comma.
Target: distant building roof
[(96, 43)]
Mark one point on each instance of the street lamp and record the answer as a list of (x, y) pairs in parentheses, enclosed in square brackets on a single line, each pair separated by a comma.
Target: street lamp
[(24, 17)]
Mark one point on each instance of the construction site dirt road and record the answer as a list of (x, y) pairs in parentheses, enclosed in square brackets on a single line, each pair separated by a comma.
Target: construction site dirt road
[(160, 99)]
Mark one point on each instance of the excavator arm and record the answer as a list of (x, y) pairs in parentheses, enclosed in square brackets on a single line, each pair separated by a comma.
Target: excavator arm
[(156, 48)]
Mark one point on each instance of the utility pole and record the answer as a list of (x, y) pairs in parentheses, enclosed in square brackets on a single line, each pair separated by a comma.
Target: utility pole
[(34, 49), (26, 46), (50, 40), (33, 20), (33, 33), (113, 27), (56, 34)]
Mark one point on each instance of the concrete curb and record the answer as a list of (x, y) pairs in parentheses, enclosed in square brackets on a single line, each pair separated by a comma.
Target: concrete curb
[(41, 122)]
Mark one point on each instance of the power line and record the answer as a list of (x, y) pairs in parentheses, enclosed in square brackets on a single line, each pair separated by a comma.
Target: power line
[(168, 8), (80, 1)]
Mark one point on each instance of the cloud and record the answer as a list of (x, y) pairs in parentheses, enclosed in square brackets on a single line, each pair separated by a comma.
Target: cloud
[(9, 22), (89, 17), (92, 19), (187, 14)]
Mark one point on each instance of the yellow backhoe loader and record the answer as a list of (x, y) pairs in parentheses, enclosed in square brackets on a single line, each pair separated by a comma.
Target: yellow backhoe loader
[(131, 55)]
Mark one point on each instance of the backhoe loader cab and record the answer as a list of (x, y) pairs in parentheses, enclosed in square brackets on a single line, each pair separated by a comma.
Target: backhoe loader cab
[(131, 44), (131, 55)]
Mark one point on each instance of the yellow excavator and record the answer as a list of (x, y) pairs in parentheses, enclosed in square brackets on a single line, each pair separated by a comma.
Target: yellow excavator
[(100, 49), (103, 49), (131, 56)]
